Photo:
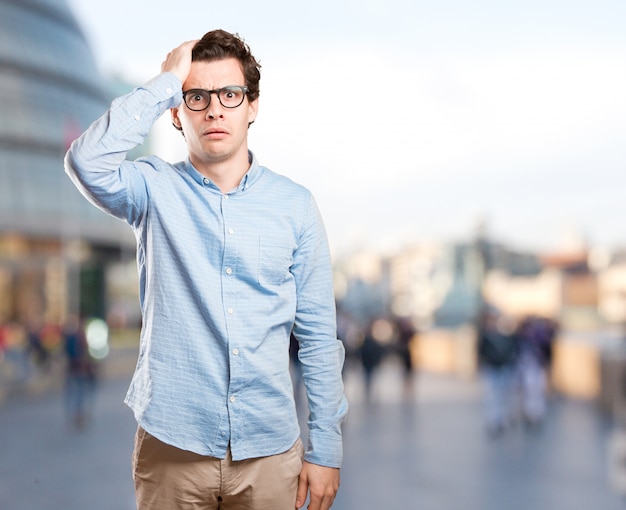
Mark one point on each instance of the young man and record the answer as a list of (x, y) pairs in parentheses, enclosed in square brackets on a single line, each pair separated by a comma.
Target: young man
[(231, 258)]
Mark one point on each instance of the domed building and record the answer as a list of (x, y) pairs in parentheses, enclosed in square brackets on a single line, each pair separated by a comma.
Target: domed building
[(56, 250)]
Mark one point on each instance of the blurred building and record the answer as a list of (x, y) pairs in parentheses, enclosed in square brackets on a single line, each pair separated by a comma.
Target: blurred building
[(55, 248), (437, 285)]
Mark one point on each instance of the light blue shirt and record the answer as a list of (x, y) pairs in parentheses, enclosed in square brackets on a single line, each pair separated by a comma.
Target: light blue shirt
[(223, 279)]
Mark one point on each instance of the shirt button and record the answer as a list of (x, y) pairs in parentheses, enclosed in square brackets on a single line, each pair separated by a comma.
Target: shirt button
[(229, 270), (205, 180), (226, 197), (168, 90), (233, 398), (235, 351), (231, 231), (230, 310), (137, 117)]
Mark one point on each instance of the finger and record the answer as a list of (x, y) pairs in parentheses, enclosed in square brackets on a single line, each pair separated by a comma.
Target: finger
[(320, 502), (327, 502), (303, 486)]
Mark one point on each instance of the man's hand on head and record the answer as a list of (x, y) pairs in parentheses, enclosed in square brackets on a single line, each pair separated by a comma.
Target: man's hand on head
[(178, 61)]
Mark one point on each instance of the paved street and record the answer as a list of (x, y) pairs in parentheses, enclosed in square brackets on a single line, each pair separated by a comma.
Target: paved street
[(427, 453)]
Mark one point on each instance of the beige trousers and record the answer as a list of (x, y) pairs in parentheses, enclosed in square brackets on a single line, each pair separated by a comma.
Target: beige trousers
[(167, 478)]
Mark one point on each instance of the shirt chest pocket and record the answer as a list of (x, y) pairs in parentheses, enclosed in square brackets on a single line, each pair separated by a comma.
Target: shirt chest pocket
[(275, 260)]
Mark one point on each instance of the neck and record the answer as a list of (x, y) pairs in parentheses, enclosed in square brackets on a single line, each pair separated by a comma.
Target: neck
[(226, 175)]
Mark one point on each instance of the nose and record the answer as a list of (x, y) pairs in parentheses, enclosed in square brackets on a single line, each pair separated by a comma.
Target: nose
[(214, 110)]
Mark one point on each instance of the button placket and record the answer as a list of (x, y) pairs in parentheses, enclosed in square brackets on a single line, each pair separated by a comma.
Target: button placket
[(229, 270)]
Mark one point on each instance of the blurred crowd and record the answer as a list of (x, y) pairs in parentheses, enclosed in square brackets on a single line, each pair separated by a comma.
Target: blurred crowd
[(30, 347), (514, 358), (368, 344), (30, 351)]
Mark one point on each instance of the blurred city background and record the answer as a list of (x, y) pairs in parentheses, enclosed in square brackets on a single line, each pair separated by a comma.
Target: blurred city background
[(467, 161)]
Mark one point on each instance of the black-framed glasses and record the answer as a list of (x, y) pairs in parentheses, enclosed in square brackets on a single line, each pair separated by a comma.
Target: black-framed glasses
[(229, 97)]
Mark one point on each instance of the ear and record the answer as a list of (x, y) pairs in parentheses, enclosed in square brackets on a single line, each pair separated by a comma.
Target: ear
[(175, 120), (253, 109)]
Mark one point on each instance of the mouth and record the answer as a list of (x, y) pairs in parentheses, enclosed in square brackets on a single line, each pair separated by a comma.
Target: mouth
[(215, 133)]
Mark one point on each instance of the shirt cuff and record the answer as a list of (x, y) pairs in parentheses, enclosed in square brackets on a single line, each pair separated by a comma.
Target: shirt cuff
[(164, 87)]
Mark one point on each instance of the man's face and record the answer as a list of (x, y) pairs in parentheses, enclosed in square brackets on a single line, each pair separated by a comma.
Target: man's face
[(217, 134)]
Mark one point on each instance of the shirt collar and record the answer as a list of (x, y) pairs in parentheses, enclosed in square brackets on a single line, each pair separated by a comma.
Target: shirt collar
[(251, 176)]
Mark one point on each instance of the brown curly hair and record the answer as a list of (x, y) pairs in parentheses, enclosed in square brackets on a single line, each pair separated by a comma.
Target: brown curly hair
[(218, 45)]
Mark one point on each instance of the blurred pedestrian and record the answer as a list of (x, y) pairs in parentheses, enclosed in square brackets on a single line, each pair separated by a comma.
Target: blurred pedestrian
[(36, 348), (536, 337), (232, 257), (406, 338), (80, 374), (17, 351), (498, 351), (371, 352)]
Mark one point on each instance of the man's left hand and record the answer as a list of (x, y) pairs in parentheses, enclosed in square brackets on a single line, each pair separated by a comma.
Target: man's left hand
[(321, 483)]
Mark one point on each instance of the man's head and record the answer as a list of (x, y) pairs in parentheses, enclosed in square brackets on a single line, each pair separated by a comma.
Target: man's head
[(221, 45), (220, 101)]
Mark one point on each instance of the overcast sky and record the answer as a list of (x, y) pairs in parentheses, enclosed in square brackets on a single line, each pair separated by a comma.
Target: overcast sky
[(413, 120)]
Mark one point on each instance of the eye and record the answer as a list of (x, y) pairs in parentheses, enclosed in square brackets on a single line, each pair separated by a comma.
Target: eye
[(232, 96), (196, 97)]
